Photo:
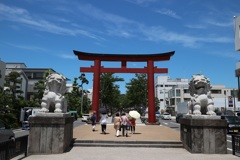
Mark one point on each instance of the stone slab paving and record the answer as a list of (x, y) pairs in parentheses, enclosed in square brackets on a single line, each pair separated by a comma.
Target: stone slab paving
[(143, 132), (103, 153)]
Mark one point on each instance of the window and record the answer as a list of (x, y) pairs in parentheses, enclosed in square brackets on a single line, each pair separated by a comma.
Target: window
[(29, 75), (178, 100), (38, 75), (186, 99), (215, 91), (186, 91), (178, 92)]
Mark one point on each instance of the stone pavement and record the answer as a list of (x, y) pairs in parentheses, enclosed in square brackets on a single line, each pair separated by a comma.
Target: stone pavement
[(143, 132)]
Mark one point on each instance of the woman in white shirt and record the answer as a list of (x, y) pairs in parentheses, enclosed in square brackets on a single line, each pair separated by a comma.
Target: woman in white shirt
[(103, 122)]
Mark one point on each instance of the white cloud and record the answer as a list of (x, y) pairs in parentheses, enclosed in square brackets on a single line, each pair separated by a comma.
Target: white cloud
[(226, 54), (22, 16), (168, 12), (141, 2), (200, 26), (111, 24), (28, 47), (158, 34), (67, 56), (219, 24), (102, 16)]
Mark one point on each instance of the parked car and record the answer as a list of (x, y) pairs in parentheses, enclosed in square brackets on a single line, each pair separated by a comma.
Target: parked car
[(5, 132), (178, 116), (158, 115), (86, 118), (233, 124), (26, 112), (166, 116), (74, 114)]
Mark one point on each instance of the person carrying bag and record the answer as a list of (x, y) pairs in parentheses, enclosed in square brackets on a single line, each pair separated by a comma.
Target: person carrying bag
[(117, 124), (124, 124)]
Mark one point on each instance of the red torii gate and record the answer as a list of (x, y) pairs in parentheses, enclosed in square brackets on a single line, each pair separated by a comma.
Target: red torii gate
[(124, 58)]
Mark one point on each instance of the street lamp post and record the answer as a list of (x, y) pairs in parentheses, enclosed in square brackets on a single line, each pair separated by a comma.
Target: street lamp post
[(225, 111), (82, 100), (234, 100)]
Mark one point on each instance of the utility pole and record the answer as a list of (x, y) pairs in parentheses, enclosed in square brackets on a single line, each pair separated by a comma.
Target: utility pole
[(83, 80), (82, 100), (234, 101), (225, 111)]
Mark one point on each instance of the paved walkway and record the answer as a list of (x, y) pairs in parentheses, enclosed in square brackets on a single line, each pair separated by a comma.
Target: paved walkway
[(143, 132)]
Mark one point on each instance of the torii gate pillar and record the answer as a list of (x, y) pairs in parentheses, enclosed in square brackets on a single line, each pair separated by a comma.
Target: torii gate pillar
[(124, 58), (96, 85), (151, 102)]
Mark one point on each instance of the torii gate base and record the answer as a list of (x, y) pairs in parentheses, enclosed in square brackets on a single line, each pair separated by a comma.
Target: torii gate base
[(124, 58)]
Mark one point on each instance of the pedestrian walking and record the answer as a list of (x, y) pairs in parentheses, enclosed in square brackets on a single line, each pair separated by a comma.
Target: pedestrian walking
[(103, 122), (124, 123), (94, 120), (117, 123), (132, 122)]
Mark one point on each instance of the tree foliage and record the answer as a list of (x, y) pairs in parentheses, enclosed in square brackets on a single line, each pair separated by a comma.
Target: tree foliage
[(137, 93), (12, 99), (109, 92), (39, 87), (76, 98)]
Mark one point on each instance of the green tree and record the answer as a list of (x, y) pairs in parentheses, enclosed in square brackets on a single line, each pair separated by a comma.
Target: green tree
[(6, 111), (16, 101), (109, 92), (137, 93), (157, 104), (37, 96), (39, 87), (124, 102), (76, 97), (84, 107)]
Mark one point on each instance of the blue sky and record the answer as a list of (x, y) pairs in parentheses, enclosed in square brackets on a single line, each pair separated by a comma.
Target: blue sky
[(43, 34)]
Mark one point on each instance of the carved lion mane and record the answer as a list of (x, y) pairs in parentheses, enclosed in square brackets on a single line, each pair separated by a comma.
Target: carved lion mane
[(201, 101), (55, 88)]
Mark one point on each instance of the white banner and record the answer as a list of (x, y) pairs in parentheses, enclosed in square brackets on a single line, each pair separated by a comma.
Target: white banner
[(237, 32)]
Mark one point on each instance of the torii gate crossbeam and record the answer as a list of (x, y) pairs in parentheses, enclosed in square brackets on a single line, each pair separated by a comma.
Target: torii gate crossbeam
[(124, 58)]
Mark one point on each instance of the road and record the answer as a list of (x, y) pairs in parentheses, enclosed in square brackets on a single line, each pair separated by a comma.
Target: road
[(172, 124)]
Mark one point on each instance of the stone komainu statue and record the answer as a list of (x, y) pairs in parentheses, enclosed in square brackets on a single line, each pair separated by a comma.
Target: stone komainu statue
[(201, 101), (53, 97)]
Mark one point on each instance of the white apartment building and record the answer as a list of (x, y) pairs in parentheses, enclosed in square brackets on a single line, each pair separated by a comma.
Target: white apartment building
[(220, 94), (29, 76), (162, 86), (172, 92)]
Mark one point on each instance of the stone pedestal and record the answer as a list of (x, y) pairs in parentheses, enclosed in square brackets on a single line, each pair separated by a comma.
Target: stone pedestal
[(50, 133), (204, 134)]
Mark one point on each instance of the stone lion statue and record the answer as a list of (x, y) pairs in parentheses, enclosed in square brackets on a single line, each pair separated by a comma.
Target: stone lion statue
[(201, 101), (53, 99)]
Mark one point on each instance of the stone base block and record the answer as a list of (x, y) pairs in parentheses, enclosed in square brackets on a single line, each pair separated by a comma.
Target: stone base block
[(204, 134), (50, 133)]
